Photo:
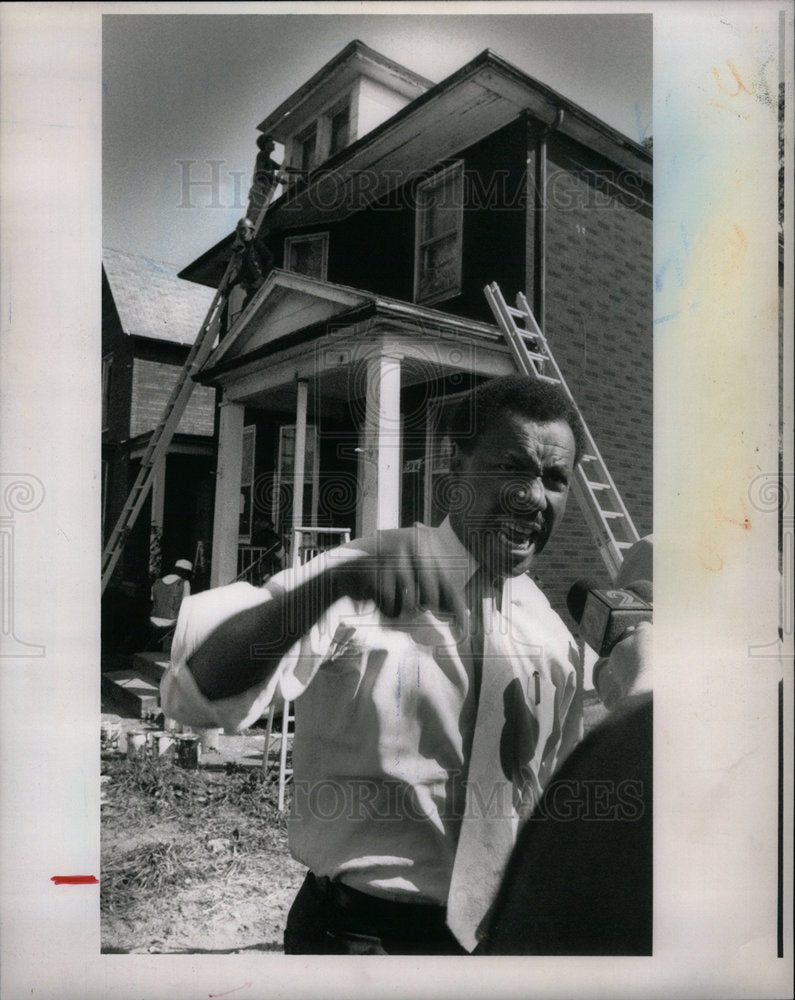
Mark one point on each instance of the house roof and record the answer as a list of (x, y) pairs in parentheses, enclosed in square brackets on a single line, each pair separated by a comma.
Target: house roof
[(152, 300), (291, 309), (471, 104), (356, 59)]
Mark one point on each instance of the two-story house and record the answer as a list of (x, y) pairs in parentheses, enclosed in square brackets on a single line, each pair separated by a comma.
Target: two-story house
[(336, 375)]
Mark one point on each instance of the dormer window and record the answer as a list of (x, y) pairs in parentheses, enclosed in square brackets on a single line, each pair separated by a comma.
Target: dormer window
[(340, 121), (305, 152)]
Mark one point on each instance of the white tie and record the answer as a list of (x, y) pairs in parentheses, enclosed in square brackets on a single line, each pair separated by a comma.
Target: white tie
[(489, 824)]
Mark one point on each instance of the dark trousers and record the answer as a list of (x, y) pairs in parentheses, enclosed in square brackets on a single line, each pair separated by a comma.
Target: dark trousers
[(328, 918)]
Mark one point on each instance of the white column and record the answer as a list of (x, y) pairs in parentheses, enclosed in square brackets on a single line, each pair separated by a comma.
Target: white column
[(379, 474), (226, 521)]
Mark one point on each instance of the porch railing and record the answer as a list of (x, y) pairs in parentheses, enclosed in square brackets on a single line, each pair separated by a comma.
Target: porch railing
[(309, 542), (251, 561)]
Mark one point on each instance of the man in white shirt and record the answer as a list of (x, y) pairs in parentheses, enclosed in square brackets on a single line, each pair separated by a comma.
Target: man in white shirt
[(438, 689)]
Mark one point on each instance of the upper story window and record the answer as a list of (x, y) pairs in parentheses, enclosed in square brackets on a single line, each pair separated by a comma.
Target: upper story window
[(107, 365), (340, 127), (307, 255), (305, 150), (440, 224)]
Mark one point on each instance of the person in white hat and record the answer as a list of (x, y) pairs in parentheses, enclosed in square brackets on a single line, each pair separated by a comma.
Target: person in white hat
[(168, 594)]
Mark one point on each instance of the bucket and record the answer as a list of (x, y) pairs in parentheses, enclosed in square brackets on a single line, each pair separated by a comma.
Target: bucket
[(137, 744), (162, 745), (188, 752), (109, 732), (211, 739)]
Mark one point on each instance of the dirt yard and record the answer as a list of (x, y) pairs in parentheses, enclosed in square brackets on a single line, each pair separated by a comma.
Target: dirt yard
[(192, 861)]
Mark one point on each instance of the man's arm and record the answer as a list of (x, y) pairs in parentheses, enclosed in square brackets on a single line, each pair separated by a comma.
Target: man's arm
[(398, 570)]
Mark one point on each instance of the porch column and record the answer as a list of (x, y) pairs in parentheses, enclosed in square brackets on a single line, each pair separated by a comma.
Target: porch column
[(379, 468), (226, 519), (299, 461), (158, 515)]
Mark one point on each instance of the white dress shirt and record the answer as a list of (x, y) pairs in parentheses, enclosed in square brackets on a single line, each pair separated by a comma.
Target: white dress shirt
[(385, 719)]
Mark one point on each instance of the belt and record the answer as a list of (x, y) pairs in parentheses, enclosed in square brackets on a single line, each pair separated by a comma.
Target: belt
[(357, 904)]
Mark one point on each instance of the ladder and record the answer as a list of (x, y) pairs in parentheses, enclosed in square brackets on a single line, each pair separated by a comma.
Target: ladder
[(608, 519), (174, 409)]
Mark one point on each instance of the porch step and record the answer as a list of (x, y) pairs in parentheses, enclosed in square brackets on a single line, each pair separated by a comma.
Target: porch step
[(131, 692), (152, 666)]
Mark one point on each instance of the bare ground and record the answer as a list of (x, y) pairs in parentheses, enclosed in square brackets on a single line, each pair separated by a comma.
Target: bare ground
[(192, 861)]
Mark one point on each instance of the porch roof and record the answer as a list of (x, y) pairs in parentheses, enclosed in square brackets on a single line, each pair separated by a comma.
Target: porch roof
[(291, 309)]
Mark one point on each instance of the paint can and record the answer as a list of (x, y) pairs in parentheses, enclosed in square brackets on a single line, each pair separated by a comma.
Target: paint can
[(110, 732), (211, 739), (188, 752), (137, 744), (163, 745)]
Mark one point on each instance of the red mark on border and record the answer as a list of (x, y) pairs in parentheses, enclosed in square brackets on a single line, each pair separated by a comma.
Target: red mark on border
[(245, 986), (74, 879)]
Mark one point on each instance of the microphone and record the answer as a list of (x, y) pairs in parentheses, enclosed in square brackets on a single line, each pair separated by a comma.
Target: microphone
[(604, 614)]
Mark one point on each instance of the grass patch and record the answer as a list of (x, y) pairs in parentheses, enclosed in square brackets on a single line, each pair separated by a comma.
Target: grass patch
[(167, 831)]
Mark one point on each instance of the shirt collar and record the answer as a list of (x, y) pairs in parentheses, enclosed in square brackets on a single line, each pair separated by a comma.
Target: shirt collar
[(464, 564)]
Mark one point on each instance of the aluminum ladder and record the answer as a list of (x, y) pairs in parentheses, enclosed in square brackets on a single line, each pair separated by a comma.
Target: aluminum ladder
[(174, 409), (608, 519)]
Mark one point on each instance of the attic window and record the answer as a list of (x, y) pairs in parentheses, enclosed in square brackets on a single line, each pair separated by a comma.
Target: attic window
[(305, 154), (307, 255), (340, 121), (440, 224)]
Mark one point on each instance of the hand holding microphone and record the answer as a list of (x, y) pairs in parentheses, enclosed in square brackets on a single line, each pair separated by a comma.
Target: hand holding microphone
[(616, 623)]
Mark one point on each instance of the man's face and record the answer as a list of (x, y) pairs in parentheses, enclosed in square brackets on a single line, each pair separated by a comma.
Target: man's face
[(516, 482)]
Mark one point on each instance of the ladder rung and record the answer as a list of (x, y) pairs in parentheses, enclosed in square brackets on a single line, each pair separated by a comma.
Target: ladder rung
[(624, 545), (611, 513), (597, 486)]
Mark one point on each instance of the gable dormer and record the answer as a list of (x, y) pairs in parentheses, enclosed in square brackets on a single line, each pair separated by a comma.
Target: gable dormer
[(347, 98)]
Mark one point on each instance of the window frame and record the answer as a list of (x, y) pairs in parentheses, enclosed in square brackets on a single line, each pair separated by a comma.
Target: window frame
[(455, 169), (291, 241), (345, 105), (247, 478), (299, 146)]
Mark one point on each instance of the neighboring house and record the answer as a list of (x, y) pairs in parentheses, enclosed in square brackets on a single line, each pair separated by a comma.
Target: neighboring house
[(150, 318), (374, 318)]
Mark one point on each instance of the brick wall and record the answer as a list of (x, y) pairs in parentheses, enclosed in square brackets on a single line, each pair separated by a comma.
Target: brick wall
[(152, 384), (599, 326)]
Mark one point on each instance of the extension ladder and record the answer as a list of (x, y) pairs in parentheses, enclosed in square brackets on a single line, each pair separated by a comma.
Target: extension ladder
[(604, 511), (172, 414)]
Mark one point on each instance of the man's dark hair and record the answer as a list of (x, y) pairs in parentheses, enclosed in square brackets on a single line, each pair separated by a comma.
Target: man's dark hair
[(522, 395)]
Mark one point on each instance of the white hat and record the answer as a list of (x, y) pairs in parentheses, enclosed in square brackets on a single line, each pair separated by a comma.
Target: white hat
[(184, 564)]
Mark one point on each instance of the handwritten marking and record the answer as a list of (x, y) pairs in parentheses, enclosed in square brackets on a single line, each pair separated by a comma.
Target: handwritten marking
[(245, 986), (74, 879), (664, 319), (741, 87)]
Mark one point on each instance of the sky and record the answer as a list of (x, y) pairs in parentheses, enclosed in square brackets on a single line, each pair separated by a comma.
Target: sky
[(180, 91)]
